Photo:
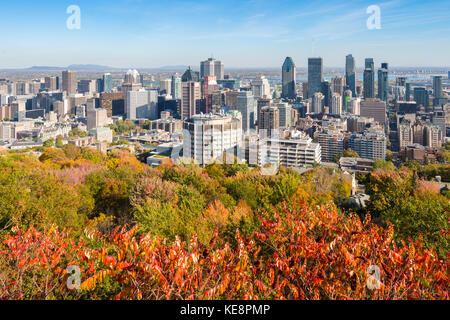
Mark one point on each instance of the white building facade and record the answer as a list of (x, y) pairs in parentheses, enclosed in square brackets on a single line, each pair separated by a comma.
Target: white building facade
[(206, 137)]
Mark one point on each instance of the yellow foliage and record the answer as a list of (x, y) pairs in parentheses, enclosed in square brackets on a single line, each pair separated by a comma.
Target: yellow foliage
[(241, 211), (216, 214)]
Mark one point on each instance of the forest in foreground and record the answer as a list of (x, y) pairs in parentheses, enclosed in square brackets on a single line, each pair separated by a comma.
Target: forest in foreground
[(77, 224)]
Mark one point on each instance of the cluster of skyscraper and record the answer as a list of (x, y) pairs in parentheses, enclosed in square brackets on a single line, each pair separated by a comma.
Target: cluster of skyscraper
[(257, 120)]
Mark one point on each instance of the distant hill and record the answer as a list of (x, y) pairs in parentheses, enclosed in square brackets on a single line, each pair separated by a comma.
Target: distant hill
[(180, 67), (43, 68), (71, 67), (89, 67), (94, 67)]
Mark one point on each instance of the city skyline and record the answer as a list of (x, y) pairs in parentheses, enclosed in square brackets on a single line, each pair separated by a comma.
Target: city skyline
[(246, 34)]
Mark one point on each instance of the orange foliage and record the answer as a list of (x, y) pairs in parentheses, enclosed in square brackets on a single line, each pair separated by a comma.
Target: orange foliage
[(424, 186), (217, 214), (303, 253)]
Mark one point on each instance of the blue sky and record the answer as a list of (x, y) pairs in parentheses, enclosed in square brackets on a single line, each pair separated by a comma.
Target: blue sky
[(245, 33)]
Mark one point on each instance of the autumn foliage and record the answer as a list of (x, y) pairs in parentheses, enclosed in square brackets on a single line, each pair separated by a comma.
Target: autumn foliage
[(304, 253), (220, 232)]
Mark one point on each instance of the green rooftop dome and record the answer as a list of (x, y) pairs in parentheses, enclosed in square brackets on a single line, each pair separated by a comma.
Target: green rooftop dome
[(276, 94)]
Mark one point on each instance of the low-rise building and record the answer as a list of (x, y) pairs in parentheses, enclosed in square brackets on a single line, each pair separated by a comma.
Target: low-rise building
[(21, 145), (82, 142), (102, 134), (171, 150), (169, 125), (356, 164)]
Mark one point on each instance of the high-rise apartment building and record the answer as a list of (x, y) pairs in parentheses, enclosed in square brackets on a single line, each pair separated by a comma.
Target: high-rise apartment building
[(338, 85), (207, 137), (358, 123), (285, 112), (369, 79), (400, 93), (246, 105), (374, 108), (401, 81), (165, 86), (369, 145), (446, 109), (5, 112), (209, 86), (261, 88), (406, 107), (51, 83), (421, 97), (438, 119), (336, 104), (104, 84), (289, 75), (69, 81), (433, 136), (61, 109), (142, 104), (327, 93), (132, 76), (405, 134), (425, 134), (191, 95), (408, 91), (107, 82), (294, 150), (315, 76), (269, 119), (87, 86), (96, 118), (317, 103), (113, 102), (231, 99), (437, 90), (331, 143), (305, 90), (383, 83), (348, 96), (22, 88), (418, 133), (176, 87), (212, 67), (354, 106), (350, 73)]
